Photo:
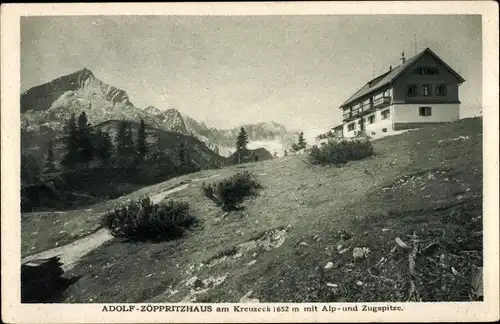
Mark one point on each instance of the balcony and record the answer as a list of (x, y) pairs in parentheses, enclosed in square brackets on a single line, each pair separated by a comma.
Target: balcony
[(381, 102), (366, 108)]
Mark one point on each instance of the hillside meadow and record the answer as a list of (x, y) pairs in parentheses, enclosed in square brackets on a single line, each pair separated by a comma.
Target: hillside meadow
[(300, 239)]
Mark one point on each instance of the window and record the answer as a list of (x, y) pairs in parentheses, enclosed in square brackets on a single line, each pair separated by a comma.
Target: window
[(426, 70), (384, 130), (350, 127), (412, 90), (386, 114), (441, 90), (425, 111), (371, 119), (426, 89)]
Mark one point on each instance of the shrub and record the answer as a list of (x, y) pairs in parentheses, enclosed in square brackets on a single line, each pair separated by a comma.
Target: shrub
[(230, 193), (141, 220), (340, 152)]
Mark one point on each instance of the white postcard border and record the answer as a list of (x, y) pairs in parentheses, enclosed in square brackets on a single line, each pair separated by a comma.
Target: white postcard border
[(13, 311)]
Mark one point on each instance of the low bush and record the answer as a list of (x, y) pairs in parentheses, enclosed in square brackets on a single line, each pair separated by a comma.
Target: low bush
[(141, 220), (340, 152), (230, 193)]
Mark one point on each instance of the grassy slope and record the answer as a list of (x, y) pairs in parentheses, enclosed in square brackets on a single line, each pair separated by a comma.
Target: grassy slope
[(46, 230), (316, 202)]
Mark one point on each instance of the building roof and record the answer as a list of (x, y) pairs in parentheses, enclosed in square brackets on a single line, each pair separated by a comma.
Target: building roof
[(389, 76)]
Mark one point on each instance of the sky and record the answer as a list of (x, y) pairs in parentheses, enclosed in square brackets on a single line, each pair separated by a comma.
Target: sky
[(232, 70)]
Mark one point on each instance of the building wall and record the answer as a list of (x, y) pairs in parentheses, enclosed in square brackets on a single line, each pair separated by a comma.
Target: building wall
[(400, 93), (405, 116), (339, 131), (409, 113), (377, 127)]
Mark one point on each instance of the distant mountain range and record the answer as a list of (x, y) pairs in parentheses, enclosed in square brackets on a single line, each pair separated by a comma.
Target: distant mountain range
[(46, 108)]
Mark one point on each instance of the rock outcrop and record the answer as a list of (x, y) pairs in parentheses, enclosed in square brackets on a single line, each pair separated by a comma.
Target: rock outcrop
[(245, 156)]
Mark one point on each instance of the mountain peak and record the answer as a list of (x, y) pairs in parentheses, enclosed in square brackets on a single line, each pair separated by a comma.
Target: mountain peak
[(82, 84), (83, 73), (173, 111), (152, 110)]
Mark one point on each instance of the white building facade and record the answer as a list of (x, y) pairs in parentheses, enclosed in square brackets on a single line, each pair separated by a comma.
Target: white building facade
[(422, 91)]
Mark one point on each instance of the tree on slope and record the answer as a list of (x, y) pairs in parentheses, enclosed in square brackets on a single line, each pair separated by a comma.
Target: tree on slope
[(241, 143), (85, 136), (182, 153), (302, 142), (120, 139), (30, 170), (104, 147), (141, 140), (71, 157), (129, 141), (49, 166)]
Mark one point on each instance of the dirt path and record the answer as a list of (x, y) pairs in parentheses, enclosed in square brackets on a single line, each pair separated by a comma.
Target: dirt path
[(71, 253), (158, 197)]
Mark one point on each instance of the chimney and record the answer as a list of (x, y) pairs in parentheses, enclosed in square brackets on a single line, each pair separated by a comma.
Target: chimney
[(403, 59)]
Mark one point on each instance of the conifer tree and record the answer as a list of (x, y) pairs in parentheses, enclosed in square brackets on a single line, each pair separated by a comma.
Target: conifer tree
[(49, 166), (104, 147), (85, 139), (141, 140), (182, 154), (30, 170), (71, 157), (187, 156), (302, 141), (121, 140), (241, 143), (129, 141)]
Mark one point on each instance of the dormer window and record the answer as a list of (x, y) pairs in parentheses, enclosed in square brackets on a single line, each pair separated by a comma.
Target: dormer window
[(426, 70)]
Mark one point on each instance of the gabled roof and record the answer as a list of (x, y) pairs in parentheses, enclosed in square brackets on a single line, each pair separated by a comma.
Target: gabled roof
[(389, 76)]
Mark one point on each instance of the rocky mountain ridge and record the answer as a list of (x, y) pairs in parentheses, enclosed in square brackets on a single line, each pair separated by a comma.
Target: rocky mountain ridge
[(46, 107)]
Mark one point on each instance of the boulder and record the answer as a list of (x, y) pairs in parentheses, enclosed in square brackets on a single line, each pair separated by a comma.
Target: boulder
[(42, 281), (329, 265)]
